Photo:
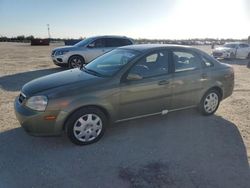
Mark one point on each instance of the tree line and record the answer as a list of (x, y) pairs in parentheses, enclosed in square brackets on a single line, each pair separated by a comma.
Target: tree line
[(195, 41), (23, 38)]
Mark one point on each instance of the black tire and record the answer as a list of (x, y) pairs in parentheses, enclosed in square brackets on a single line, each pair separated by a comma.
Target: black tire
[(248, 56), (203, 103), (76, 61), (248, 64), (232, 55), (73, 121)]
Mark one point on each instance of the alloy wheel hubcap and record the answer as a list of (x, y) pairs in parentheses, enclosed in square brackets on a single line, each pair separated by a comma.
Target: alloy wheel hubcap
[(211, 102), (76, 62), (87, 127)]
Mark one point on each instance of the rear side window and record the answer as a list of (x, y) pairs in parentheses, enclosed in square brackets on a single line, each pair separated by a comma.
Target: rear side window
[(125, 42), (243, 45), (116, 42), (207, 62), (186, 61)]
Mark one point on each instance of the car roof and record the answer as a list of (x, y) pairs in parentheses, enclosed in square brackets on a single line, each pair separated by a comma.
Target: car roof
[(146, 47), (110, 36)]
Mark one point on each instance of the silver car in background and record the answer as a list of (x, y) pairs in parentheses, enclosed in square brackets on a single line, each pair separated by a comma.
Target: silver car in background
[(232, 50), (86, 50)]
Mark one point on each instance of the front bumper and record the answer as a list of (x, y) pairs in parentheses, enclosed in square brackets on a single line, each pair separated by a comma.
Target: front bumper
[(59, 60), (34, 122), (223, 54)]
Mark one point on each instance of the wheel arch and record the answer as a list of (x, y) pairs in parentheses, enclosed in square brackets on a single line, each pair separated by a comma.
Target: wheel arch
[(76, 55), (103, 109), (217, 88), (248, 56)]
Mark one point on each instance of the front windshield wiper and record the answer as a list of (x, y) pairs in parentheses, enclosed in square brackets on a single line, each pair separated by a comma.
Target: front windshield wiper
[(93, 72)]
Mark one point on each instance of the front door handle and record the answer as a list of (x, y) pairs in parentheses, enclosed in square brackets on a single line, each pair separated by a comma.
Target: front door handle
[(163, 82)]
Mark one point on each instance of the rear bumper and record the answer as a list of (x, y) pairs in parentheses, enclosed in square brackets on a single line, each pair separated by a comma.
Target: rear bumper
[(228, 89), (228, 83)]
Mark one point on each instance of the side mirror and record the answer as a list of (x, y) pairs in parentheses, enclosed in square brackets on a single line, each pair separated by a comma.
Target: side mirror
[(132, 77), (91, 45)]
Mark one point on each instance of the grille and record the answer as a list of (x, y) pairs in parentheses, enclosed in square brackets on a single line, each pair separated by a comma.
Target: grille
[(21, 98), (217, 54)]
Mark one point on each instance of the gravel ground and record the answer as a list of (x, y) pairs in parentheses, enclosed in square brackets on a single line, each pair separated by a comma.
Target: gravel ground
[(182, 149)]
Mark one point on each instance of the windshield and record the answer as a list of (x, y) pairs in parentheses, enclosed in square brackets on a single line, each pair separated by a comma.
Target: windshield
[(83, 42), (230, 45), (111, 62)]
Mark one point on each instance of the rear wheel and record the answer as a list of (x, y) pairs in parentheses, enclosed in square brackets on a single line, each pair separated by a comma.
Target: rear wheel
[(210, 102), (86, 126), (76, 61)]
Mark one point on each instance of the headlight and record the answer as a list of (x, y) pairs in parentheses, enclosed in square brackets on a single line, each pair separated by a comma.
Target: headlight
[(61, 52), (38, 103)]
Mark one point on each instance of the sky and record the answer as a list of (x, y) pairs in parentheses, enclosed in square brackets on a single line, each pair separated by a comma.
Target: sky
[(158, 19)]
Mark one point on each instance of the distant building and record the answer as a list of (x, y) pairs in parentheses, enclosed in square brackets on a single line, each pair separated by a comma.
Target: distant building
[(39, 42), (71, 42)]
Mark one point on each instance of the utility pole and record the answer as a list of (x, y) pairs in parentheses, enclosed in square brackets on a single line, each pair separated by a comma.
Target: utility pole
[(48, 31)]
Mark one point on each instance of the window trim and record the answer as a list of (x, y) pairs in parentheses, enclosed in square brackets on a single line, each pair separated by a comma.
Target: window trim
[(187, 70)]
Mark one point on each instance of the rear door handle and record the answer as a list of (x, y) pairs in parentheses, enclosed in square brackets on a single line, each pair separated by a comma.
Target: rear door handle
[(163, 82)]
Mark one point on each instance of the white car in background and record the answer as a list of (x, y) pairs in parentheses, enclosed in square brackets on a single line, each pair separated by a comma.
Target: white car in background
[(232, 50), (86, 50)]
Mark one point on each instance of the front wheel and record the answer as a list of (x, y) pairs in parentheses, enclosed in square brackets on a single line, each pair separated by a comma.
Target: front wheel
[(86, 126), (76, 61), (232, 55), (210, 102), (248, 56)]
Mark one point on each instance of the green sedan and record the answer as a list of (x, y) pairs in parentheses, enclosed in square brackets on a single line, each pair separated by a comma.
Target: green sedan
[(127, 83)]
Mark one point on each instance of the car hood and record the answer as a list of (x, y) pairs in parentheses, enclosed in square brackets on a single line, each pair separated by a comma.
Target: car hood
[(223, 49), (60, 79), (64, 48)]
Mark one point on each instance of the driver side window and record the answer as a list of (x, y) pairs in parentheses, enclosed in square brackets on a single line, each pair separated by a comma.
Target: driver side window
[(99, 43), (154, 64)]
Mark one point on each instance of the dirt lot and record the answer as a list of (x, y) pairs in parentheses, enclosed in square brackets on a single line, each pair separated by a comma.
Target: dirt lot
[(182, 149)]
